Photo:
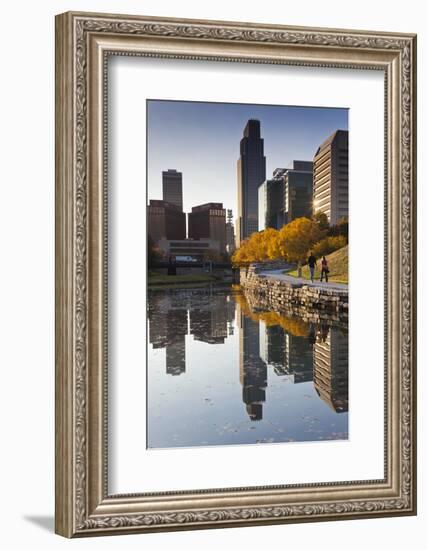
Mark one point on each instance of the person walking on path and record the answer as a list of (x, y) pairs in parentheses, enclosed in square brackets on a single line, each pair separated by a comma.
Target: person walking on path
[(311, 264), (325, 270)]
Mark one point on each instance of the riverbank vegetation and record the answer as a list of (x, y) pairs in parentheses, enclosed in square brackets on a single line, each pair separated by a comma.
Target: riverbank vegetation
[(156, 279), (293, 242)]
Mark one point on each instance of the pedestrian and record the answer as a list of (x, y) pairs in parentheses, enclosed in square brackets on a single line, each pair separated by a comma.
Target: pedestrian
[(311, 264), (325, 270), (172, 265)]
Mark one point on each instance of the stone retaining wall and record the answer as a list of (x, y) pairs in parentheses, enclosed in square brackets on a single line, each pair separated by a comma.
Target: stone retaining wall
[(284, 296)]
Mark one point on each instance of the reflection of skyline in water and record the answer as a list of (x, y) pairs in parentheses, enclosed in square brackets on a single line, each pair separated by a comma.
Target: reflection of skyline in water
[(269, 344)]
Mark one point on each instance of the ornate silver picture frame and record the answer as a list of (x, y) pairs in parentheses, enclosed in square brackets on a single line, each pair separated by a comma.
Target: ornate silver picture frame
[(84, 43)]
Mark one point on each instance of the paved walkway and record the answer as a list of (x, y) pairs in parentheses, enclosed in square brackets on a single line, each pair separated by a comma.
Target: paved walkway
[(278, 274)]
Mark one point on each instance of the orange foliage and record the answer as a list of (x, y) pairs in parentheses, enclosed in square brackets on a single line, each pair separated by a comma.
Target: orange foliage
[(292, 325)]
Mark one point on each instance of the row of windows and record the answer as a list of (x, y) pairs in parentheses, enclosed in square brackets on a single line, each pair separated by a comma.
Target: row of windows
[(321, 165), (189, 245)]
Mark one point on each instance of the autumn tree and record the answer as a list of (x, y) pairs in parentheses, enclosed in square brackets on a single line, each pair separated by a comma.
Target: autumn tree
[(260, 246), (296, 239)]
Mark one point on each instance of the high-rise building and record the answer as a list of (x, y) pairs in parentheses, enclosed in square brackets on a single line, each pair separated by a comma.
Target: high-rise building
[(298, 191), (287, 196), (330, 178), (172, 187), (271, 204), (207, 221), (250, 174), (165, 221), (229, 233)]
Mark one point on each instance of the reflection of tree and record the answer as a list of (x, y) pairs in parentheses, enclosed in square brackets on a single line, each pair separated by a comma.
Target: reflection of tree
[(292, 325), (306, 351)]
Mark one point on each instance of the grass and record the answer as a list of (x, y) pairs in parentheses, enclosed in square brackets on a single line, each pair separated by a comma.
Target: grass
[(338, 267), (154, 279)]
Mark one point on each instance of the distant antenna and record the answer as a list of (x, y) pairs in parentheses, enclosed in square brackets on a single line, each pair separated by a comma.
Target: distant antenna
[(229, 216)]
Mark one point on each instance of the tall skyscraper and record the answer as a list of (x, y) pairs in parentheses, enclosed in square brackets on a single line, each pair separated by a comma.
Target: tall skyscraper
[(330, 177), (250, 174), (207, 221), (287, 196), (172, 187)]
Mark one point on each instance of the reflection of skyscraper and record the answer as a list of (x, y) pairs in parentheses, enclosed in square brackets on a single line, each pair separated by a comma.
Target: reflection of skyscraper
[(208, 317), (167, 316), (298, 358), (175, 348), (331, 369), (272, 345), (250, 174), (158, 305), (172, 187), (288, 354), (253, 370)]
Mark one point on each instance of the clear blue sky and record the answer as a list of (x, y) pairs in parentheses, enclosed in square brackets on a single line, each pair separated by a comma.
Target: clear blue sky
[(201, 140)]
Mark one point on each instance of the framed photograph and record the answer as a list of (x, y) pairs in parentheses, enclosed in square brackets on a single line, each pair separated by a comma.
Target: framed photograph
[(235, 274)]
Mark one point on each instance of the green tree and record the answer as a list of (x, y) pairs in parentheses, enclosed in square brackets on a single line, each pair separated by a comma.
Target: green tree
[(322, 221)]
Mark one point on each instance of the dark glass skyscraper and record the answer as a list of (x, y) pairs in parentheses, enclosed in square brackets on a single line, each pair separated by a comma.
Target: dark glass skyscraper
[(172, 187), (250, 174)]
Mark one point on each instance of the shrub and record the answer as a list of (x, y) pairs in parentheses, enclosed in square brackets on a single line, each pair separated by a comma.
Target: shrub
[(328, 245)]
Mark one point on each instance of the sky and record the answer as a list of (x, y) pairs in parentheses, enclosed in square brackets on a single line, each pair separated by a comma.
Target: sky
[(202, 140)]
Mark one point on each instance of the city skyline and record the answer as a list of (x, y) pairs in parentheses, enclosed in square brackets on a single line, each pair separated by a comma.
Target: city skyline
[(179, 132)]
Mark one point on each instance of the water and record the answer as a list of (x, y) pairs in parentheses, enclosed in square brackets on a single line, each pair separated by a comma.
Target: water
[(222, 371)]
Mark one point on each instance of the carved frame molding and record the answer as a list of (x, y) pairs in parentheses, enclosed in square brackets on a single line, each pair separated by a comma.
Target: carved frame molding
[(83, 43)]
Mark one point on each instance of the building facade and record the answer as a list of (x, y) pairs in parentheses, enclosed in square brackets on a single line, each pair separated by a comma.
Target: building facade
[(165, 221), (229, 234), (200, 250), (287, 196), (330, 177), (271, 204), (172, 187), (207, 221), (298, 191), (250, 174)]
